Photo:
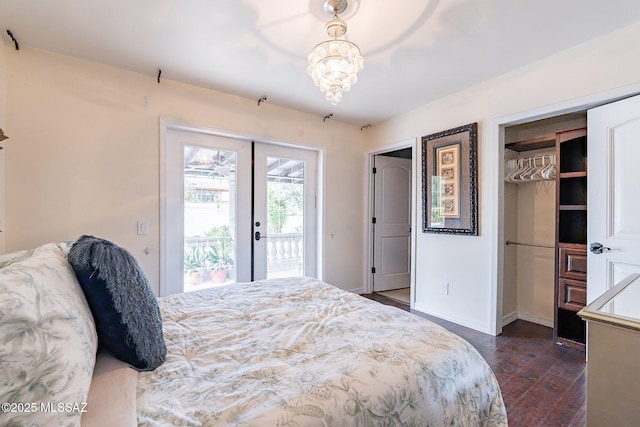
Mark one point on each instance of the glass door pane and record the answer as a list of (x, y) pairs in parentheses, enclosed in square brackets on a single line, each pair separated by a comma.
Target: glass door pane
[(285, 212), (209, 194), (285, 217), (222, 198)]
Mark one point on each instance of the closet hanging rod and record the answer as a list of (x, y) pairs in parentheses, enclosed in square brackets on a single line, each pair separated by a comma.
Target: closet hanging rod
[(535, 245)]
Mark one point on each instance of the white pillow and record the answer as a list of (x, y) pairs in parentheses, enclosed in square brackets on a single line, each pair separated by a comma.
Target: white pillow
[(48, 340), (6, 259)]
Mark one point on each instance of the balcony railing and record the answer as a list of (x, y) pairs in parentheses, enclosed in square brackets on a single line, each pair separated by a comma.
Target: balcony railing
[(285, 252)]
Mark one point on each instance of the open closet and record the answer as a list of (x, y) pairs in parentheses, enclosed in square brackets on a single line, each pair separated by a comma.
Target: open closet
[(545, 225)]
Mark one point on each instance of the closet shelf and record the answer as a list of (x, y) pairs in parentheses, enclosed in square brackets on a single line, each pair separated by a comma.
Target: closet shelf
[(547, 141), (572, 207), (573, 174)]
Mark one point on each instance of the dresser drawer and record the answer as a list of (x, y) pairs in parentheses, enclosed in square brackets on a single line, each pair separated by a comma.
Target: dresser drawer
[(573, 263), (572, 294)]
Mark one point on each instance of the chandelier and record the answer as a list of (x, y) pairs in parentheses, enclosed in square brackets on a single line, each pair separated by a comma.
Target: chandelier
[(334, 64)]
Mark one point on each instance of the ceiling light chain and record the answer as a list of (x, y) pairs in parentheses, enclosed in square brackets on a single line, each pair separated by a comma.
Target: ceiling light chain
[(334, 64)]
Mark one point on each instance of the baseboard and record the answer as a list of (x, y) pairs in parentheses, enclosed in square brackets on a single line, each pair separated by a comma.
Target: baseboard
[(459, 321), (511, 317), (544, 321), (358, 291), (527, 317)]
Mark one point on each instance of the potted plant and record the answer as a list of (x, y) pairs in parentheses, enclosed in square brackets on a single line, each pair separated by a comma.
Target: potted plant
[(193, 263), (219, 260)]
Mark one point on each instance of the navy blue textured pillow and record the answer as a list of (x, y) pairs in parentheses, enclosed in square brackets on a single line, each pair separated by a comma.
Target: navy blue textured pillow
[(123, 304)]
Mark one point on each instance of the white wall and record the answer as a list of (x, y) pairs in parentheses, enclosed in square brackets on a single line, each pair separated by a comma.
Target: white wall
[(510, 270), (536, 266), (84, 156), (469, 264)]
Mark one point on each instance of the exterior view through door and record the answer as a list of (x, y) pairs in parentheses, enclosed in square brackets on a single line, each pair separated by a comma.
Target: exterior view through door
[(236, 211), (392, 223)]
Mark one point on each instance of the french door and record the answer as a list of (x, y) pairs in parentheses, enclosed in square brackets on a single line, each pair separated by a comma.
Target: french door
[(234, 211)]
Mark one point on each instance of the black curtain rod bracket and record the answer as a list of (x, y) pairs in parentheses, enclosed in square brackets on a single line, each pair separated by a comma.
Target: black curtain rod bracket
[(15, 42)]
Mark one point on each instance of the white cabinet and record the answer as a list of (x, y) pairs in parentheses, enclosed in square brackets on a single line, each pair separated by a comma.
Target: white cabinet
[(613, 355)]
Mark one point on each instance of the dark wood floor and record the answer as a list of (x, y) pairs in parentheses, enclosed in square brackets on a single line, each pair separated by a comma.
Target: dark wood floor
[(543, 384)]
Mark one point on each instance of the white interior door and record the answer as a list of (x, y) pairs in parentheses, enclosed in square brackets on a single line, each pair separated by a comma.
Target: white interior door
[(392, 228), (234, 211), (613, 219)]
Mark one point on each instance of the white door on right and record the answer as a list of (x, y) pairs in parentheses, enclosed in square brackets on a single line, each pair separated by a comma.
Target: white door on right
[(613, 188)]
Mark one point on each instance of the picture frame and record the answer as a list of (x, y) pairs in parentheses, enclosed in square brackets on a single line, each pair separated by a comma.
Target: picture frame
[(450, 181)]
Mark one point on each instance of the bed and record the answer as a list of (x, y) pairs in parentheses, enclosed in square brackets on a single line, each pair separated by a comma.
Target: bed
[(281, 352), (300, 352)]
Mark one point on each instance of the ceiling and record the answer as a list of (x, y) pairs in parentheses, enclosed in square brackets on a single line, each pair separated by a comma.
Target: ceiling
[(415, 51)]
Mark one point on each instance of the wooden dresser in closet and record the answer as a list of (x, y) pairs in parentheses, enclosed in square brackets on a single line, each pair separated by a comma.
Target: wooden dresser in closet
[(571, 237)]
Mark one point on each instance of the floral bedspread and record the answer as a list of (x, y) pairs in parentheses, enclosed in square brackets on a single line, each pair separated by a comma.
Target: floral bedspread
[(299, 352)]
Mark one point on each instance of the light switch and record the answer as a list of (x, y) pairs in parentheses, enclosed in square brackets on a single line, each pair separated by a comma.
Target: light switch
[(142, 228)]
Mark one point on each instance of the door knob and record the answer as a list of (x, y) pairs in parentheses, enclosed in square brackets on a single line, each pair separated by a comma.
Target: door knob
[(258, 236), (597, 248)]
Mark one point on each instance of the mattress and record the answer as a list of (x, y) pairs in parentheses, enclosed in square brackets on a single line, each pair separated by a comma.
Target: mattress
[(300, 352)]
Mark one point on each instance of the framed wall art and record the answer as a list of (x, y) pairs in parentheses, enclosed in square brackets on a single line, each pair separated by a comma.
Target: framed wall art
[(450, 181)]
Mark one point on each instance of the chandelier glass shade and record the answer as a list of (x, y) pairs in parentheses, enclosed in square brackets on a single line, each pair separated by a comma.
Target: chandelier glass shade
[(334, 64)]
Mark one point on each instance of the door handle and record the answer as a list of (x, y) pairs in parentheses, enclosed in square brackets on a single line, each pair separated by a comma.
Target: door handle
[(258, 236), (597, 248)]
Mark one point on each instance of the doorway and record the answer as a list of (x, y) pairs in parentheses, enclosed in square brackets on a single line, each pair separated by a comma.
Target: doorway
[(530, 217), (235, 210), (391, 223), (580, 105)]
